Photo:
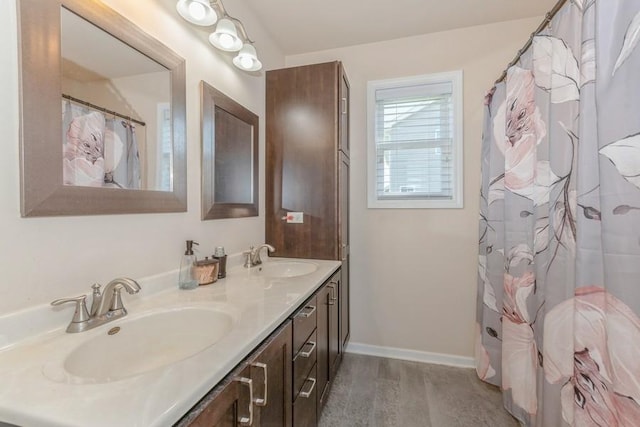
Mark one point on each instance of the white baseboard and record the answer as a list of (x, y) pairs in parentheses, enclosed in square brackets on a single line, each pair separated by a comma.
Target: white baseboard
[(412, 355)]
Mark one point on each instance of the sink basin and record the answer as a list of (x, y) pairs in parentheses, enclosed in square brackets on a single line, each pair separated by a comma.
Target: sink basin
[(284, 269), (139, 345)]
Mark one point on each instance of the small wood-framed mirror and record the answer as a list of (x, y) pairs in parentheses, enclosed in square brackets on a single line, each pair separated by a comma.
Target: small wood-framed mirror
[(102, 113), (229, 157)]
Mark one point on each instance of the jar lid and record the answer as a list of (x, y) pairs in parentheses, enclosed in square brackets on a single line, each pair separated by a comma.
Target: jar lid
[(206, 261)]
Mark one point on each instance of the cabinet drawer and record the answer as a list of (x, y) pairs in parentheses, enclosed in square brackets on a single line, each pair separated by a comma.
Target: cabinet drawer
[(303, 362), (304, 322), (304, 408)]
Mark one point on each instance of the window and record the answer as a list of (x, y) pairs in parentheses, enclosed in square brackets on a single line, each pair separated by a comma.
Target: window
[(415, 142), (164, 170)]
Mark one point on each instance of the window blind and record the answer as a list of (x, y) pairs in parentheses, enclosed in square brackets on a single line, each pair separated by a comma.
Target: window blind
[(414, 128)]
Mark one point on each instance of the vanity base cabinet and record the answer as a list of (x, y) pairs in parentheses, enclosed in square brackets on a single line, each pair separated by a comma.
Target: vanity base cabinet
[(267, 373), (288, 376)]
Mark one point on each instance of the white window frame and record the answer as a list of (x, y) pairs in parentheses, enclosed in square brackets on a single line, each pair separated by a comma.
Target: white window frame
[(453, 77)]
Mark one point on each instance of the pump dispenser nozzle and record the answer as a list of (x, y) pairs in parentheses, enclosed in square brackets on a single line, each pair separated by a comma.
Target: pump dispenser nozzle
[(190, 244)]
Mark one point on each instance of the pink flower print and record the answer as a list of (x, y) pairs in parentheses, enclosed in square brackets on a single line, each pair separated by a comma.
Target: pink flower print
[(519, 351), (519, 364), (516, 292), (518, 129), (483, 365), (592, 345)]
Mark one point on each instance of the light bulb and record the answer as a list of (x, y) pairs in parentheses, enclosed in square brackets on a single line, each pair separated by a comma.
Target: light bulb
[(246, 62), (226, 41), (197, 10)]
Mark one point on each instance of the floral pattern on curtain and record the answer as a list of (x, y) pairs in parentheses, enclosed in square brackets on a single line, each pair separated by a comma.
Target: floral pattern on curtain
[(559, 261)]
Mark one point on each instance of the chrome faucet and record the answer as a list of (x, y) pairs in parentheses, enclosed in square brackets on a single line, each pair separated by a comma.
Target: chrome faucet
[(253, 255), (105, 306)]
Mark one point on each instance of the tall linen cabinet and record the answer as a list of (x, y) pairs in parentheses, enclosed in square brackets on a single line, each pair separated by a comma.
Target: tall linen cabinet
[(307, 168)]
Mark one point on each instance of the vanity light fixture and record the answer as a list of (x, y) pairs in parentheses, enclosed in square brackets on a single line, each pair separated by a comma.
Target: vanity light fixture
[(229, 35)]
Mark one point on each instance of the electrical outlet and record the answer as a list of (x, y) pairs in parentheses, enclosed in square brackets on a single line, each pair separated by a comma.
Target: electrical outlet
[(295, 217)]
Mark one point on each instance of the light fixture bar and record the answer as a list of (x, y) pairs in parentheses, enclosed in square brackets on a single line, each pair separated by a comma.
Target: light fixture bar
[(230, 34)]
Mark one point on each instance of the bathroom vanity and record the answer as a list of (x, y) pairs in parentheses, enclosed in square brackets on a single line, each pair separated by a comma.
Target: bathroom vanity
[(275, 345)]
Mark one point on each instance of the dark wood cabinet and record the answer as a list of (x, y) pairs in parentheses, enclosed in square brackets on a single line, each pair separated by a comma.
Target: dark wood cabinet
[(227, 405), (329, 337), (307, 157), (322, 370), (344, 293), (334, 326), (270, 368), (306, 137), (264, 376)]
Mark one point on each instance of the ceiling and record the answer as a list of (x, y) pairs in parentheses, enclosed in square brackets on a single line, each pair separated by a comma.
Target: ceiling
[(301, 26)]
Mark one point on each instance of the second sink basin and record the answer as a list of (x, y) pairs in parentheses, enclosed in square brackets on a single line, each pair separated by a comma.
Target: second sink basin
[(139, 345), (284, 269)]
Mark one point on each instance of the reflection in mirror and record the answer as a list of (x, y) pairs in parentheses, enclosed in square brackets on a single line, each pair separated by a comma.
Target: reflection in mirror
[(102, 113), (115, 111), (229, 157)]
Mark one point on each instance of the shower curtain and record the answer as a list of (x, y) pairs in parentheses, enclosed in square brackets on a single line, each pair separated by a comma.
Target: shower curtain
[(559, 259), (98, 151)]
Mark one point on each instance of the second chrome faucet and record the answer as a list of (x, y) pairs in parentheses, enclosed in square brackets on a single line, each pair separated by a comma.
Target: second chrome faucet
[(105, 306), (253, 255)]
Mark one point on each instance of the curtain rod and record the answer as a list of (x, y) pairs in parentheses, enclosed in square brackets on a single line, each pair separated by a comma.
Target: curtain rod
[(548, 17), (104, 110)]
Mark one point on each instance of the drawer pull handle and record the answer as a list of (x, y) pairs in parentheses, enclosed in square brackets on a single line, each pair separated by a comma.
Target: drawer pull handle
[(247, 421), (307, 354), (332, 294), (263, 401), (305, 314), (344, 105), (307, 394)]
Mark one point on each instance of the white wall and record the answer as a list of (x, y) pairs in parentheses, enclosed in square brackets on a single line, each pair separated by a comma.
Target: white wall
[(46, 258), (413, 272)]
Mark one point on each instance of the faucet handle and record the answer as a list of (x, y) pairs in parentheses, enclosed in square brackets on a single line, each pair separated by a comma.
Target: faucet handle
[(81, 314)]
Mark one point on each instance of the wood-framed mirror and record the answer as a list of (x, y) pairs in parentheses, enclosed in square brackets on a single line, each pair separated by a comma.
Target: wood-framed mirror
[(102, 113), (229, 157)]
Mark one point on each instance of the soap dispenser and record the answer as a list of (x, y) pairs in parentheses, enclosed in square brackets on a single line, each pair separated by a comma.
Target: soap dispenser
[(187, 278)]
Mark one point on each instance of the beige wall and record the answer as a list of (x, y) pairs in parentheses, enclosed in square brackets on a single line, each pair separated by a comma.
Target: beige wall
[(47, 258), (414, 271)]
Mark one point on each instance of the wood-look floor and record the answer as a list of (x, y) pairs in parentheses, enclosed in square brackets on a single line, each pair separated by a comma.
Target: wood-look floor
[(373, 391)]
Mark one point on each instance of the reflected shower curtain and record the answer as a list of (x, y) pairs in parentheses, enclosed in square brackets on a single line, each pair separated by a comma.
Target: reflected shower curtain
[(559, 262), (98, 151)]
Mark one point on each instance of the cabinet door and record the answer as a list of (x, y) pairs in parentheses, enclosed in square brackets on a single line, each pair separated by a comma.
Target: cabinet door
[(322, 334), (344, 250), (334, 327), (344, 112), (301, 171), (230, 405), (271, 377)]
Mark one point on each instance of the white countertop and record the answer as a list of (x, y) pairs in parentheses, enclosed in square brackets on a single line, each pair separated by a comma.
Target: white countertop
[(35, 391)]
